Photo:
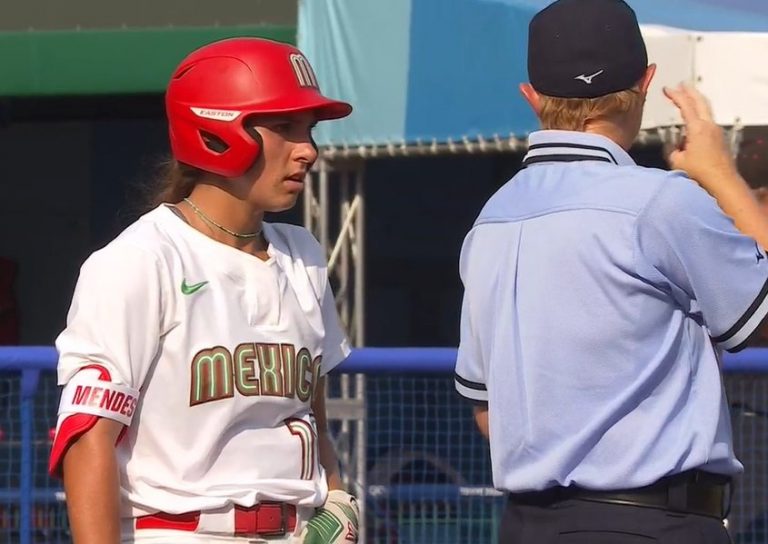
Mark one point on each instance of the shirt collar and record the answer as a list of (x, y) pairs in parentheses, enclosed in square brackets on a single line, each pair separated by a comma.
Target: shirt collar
[(569, 146)]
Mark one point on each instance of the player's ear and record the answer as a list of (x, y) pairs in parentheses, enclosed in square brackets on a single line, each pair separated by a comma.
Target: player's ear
[(531, 96), (647, 78)]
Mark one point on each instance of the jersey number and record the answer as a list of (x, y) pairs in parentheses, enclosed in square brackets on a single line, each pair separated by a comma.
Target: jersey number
[(307, 435)]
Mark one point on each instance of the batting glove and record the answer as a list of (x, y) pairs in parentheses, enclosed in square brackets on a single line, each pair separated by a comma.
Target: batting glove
[(336, 522)]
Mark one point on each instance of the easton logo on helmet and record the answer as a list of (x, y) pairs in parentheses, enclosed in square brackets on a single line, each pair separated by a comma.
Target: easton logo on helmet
[(221, 115), (303, 71)]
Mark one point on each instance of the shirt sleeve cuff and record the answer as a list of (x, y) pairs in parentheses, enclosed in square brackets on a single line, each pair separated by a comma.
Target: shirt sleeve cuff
[(471, 390), (735, 339), (335, 358)]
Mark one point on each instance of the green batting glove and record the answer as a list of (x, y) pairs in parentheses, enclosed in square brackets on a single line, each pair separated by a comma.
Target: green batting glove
[(336, 522)]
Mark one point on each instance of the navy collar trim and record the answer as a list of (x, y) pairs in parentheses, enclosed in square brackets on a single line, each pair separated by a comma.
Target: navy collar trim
[(557, 152)]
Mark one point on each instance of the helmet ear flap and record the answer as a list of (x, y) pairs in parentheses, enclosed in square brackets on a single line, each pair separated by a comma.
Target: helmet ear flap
[(314, 144), (253, 133)]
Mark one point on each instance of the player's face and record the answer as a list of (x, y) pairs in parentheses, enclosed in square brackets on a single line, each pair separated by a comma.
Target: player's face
[(288, 152)]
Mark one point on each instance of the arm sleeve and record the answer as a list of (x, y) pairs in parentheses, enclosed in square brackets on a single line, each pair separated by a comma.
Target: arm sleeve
[(470, 370), (688, 246), (470, 374), (115, 317), (335, 343)]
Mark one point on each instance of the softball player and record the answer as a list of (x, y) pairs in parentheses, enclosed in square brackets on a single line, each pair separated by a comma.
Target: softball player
[(598, 295), (197, 343)]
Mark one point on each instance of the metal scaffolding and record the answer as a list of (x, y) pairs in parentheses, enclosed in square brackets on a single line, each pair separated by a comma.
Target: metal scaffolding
[(334, 211)]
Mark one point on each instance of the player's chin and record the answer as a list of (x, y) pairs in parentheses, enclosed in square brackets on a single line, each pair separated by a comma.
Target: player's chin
[(284, 201)]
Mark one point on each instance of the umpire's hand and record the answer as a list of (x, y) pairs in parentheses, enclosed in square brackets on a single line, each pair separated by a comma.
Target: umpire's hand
[(706, 158), (703, 154)]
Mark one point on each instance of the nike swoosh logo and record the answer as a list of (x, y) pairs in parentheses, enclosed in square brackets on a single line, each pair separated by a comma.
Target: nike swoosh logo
[(191, 289), (588, 79)]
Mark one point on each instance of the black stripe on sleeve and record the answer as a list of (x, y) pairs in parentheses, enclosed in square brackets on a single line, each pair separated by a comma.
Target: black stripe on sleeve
[(743, 345), (477, 386), (744, 318)]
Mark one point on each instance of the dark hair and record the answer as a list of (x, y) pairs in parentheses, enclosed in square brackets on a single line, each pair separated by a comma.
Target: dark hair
[(174, 183)]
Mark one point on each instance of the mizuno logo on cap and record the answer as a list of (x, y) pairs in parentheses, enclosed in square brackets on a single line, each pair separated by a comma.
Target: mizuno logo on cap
[(219, 115), (588, 79)]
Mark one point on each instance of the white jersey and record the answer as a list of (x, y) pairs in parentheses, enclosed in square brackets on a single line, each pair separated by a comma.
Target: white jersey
[(226, 350)]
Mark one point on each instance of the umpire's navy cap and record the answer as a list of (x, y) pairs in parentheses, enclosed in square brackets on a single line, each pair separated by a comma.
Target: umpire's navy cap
[(585, 49)]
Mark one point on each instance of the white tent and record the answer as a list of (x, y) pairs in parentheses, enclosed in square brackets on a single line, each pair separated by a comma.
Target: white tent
[(728, 67)]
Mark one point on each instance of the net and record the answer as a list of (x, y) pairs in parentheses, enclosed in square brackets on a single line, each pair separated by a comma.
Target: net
[(425, 468)]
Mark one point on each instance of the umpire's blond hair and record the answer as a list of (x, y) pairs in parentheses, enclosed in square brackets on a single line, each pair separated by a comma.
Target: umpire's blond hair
[(575, 113)]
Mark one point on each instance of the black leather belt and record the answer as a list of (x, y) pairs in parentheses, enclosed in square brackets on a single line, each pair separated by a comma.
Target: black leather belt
[(691, 492)]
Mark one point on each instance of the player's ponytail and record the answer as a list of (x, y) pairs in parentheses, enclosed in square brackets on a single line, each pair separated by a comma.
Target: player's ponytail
[(175, 182)]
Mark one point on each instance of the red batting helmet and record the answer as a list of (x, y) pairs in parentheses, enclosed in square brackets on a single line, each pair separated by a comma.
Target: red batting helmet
[(214, 90)]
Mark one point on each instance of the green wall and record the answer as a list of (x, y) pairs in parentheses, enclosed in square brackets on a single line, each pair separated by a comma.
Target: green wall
[(104, 62)]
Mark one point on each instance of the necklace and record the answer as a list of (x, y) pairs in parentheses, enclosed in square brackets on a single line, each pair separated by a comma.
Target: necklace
[(210, 221)]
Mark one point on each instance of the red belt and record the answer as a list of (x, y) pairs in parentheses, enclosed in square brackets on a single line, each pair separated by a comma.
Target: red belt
[(263, 519)]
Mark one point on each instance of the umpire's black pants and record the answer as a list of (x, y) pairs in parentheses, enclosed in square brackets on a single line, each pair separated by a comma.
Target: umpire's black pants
[(585, 522)]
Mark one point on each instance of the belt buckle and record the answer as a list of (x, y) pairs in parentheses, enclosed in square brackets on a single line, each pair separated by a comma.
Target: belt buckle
[(280, 531), (696, 491)]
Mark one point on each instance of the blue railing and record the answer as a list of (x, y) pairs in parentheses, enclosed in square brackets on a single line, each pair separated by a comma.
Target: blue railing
[(378, 360), (414, 374)]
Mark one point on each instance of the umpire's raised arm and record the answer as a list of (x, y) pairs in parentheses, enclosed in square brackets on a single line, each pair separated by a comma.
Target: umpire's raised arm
[(705, 157)]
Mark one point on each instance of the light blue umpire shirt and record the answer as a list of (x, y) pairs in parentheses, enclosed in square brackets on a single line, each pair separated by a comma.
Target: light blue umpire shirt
[(597, 296)]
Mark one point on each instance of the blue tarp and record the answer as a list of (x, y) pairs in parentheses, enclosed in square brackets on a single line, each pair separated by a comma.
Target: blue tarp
[(439, 70)]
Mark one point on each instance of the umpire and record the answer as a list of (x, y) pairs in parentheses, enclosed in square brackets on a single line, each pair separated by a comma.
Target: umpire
[(598, 295)]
